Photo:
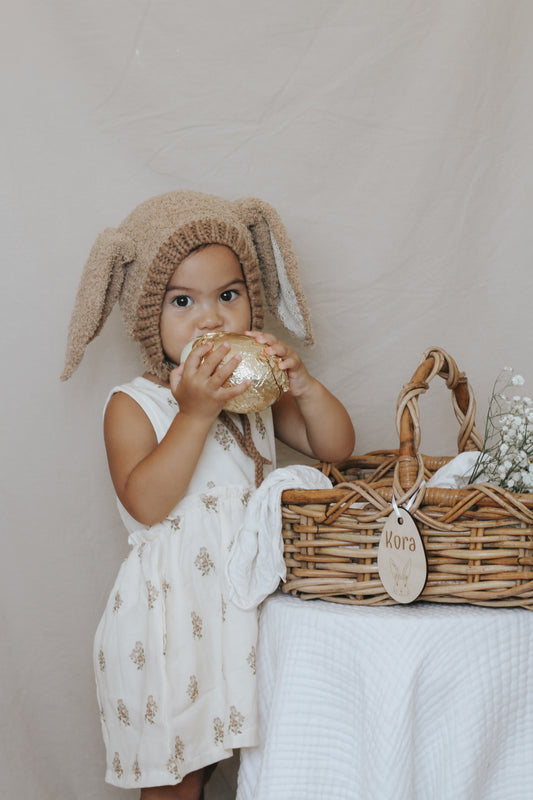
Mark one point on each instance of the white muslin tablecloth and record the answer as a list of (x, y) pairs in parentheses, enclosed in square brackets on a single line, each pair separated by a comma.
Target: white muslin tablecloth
[(426, 702)]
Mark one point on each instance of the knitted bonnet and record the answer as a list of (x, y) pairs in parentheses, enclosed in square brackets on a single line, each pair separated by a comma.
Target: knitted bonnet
[(133, 263)]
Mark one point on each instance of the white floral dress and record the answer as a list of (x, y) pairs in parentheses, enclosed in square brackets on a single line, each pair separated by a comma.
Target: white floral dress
[(174, 659)]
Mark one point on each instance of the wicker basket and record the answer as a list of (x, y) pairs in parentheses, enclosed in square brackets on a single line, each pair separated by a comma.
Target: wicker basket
[(478, 540)]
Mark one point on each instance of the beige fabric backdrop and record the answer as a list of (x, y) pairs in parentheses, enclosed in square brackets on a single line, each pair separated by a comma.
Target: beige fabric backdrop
[(394, 138)]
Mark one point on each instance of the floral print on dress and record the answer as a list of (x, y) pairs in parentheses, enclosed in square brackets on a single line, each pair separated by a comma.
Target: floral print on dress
[(117, 602), (251, 660), (140, 551), (260, 425), (152, 593), (117, 766), (236, 720), (101, 660), (197, 625), (166, 587), (203, 562), (123, 713), (218, 728), (137, 655), (209, 501), (192, 689), (175, 523), (224, 437), (245, 499), (224, 609), (136, 770), (151, 710), (173, 763)]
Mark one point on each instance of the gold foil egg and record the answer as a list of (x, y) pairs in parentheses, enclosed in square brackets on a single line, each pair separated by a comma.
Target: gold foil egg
[(268, 380)]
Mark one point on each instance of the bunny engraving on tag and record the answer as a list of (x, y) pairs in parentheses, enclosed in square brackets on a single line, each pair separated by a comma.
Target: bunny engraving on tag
[(402, 561)]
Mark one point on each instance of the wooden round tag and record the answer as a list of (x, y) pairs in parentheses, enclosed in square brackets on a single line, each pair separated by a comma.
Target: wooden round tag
[(402, 561)]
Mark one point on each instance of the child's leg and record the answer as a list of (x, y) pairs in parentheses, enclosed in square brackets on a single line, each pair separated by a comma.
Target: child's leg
[(190, 788)]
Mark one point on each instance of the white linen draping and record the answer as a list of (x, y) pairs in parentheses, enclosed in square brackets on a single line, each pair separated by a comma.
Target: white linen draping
[(395, 703)]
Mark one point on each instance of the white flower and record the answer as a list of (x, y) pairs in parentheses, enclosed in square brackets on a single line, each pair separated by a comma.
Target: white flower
[(507, 456), (527, 478)]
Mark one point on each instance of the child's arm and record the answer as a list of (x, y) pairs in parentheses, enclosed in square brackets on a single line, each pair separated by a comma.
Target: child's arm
[(151, 478), (308, 417)]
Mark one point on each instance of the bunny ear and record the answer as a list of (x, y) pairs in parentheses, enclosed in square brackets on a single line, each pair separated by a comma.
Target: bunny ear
[(99, 290), (279, 268)]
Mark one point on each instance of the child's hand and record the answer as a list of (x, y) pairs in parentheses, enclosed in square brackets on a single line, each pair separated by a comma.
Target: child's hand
[(198, 386), (299, 378), (308, 418)]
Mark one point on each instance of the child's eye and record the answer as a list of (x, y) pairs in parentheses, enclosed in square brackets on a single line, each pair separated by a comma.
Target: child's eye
[(228, 295), (181, 300)]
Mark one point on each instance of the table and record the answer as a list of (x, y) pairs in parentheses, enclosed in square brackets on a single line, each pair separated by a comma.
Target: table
[(420, 702)]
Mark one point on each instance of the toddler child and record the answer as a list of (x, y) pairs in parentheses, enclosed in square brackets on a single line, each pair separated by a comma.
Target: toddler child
[(174, 658)]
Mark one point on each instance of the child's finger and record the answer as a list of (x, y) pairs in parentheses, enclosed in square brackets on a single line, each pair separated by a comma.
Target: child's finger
[(213, 359), (273, 346), (225, 369), (260, 336), (194, 359), (288, 364), (234, 391)]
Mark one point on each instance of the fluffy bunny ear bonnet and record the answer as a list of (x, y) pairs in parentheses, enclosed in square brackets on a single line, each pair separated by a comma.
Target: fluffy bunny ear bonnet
[(133, 263)]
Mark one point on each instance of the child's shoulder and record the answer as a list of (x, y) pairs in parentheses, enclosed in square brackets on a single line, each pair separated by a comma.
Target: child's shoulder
[(153, 398), (143, 386)]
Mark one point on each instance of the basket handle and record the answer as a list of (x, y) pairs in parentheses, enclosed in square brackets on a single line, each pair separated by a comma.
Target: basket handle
[(435, 361)]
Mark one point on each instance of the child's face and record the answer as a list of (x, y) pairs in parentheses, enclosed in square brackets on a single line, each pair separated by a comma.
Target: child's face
[(206, 293)]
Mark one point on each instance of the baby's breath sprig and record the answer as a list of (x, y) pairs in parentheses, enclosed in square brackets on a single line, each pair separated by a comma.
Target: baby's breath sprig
[(507, 455)]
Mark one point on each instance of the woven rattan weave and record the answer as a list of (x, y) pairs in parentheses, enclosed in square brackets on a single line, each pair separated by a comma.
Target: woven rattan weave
[(478, 540)]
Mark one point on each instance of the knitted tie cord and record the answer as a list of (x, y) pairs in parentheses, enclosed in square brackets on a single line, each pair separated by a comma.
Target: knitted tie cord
[(246, 443)]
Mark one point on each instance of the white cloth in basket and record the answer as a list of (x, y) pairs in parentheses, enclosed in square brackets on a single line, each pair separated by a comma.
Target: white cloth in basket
[(456, 473), (255, 565)]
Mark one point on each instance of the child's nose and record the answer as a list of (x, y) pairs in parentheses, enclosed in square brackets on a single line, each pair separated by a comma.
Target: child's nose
[(210, 319)]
